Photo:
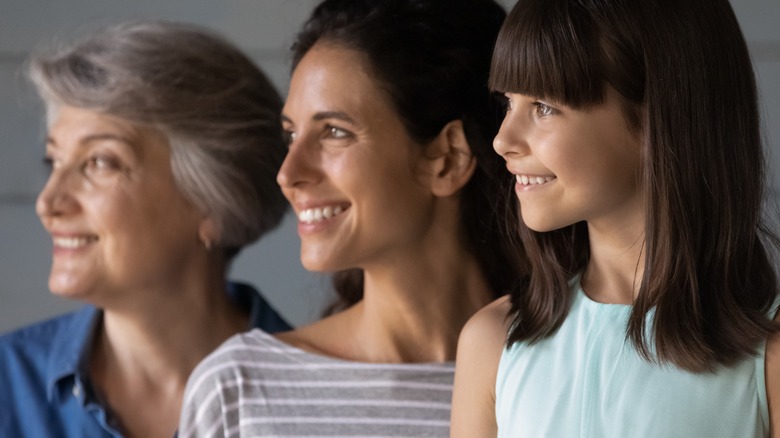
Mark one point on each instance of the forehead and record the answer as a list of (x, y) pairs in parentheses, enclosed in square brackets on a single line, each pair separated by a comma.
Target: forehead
[(73, 122), (333, 78), (73, 128)]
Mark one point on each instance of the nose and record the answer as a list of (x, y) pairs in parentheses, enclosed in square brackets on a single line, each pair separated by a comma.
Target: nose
[(509, 140), (55, 199), (301, 165)]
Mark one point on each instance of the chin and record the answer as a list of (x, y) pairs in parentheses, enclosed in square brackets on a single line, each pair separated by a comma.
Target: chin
[(315, 265), (67, 288), (543, 225)]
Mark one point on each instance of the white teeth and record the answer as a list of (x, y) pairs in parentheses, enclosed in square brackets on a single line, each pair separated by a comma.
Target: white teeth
[(533, 180), (311, 215), (71, 242)]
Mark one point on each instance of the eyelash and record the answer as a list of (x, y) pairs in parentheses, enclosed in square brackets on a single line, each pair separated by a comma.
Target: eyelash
[(288, 135), (336, 133), (95, 162), (329, 133), (503, 102), (543, 110), (48, 163), (102, 162)]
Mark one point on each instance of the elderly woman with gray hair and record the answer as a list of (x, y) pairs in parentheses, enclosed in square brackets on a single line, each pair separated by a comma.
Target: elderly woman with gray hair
[(163, 145)]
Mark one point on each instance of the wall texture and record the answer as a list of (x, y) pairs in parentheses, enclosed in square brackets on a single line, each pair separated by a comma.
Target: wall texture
[(264, 29)]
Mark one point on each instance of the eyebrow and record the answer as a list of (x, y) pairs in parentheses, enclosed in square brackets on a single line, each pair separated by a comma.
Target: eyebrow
[(323, 115), (99, 137)]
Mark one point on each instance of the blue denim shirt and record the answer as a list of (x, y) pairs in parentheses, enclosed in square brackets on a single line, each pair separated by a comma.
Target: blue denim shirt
[(45, 390)]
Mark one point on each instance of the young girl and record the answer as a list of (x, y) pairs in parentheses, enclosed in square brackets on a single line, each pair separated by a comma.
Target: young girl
[(632, 133)]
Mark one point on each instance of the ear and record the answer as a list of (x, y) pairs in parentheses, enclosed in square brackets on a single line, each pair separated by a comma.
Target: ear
[(208, 232), (451, 162)]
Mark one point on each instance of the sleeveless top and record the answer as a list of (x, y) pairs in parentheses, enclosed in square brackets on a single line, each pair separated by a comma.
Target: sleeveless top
[(255, 385), (589, 381)]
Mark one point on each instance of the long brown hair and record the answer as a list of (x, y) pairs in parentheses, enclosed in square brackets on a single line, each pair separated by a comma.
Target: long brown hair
[(433, 59), (685, 76)]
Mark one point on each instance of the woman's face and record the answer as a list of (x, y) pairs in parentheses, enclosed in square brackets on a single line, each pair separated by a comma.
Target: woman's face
[(351, 171), (117, 220), (572, 165)]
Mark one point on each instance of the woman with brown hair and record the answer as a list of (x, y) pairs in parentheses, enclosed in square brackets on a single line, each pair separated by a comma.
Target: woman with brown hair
[(392, 176)]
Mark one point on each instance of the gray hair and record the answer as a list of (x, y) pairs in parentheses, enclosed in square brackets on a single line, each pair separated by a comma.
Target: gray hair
[(218, 110)]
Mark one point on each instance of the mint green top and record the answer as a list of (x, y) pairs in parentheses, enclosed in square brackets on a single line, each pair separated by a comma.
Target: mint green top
[(588, 381)]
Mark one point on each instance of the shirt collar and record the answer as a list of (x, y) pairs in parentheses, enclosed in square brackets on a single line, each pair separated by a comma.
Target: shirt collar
[(70, 348)]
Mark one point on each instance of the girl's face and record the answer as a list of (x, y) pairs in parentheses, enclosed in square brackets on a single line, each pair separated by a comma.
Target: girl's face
[(572, 165), (350, 168), (116, 217)]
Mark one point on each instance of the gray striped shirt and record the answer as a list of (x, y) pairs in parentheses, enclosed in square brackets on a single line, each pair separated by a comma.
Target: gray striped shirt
[(257, 386)]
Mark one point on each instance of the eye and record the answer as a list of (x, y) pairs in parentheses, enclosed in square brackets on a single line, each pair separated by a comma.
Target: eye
[(336, 132), (543, 110), (48, 163), (102, 163), (289, 136), (504, 101)]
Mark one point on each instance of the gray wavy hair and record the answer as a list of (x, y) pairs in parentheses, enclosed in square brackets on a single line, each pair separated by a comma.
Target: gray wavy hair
[(219, 112)]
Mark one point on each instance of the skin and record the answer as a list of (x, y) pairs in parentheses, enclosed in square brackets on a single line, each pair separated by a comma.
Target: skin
[(127, 241), (399, 218), (589, 162), (582, 152), (772, 376)]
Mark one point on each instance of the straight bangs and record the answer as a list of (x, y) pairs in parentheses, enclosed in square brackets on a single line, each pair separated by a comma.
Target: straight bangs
[(547, 49)]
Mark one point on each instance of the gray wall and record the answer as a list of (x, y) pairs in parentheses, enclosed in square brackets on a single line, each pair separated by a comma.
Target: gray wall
[(264, 29)]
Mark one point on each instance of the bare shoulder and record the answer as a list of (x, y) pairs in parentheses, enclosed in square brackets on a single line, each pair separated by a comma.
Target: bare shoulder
[(488, 326), (772, 372), (479, 353)]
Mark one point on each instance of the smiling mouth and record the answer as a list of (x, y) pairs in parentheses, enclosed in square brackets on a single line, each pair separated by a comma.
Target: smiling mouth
[(527, 180), (72, 242), (319, 214)]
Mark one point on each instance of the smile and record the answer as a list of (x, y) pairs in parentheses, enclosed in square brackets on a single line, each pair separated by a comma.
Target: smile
[(72, 242), (527, 180), (312, 215)]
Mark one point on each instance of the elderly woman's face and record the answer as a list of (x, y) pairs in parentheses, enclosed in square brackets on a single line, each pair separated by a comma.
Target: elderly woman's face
[(350, 172), (117, 220)]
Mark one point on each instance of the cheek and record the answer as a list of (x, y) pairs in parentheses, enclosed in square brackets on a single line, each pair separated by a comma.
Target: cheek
[(110, 212)]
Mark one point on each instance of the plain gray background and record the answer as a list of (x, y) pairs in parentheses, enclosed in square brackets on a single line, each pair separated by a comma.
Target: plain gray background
[(264, 29)]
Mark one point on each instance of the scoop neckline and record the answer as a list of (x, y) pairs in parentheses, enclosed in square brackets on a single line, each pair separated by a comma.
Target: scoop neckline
[(577, 284), (324, 357)]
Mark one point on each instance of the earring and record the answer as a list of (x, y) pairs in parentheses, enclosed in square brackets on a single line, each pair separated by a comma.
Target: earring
[(207, 244)]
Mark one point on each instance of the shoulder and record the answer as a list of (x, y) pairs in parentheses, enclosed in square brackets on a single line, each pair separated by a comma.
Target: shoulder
[(241, 372), (488, 328), (33, 361), (35, 342), (479, 353), (241, 348), (483, 338), (240, 357)]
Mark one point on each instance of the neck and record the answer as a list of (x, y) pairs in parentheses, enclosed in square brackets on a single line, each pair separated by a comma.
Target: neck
[(144, 353), (412, 313), (614, 271)]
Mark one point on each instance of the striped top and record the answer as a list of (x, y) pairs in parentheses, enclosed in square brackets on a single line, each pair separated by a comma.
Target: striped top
[(255, 385)]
